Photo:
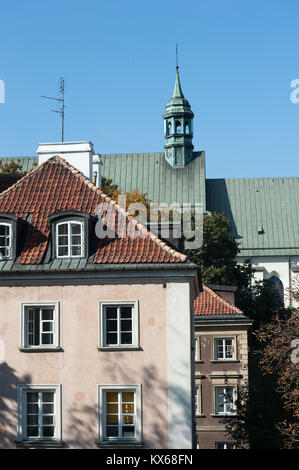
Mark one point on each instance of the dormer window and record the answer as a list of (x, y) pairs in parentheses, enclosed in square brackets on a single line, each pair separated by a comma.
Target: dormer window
[(70, 239), (5, 241)]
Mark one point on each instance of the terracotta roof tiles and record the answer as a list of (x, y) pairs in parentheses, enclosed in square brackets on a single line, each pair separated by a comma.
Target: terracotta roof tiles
[(210, 303), (57, 186)]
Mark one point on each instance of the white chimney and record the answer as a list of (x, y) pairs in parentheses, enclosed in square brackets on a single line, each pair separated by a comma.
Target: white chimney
[(79, 154)]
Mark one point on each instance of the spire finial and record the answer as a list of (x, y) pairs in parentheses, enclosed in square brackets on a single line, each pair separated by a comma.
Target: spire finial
[(177, 56)]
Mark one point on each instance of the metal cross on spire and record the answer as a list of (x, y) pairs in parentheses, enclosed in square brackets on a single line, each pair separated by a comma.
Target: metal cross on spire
[(61, 110)]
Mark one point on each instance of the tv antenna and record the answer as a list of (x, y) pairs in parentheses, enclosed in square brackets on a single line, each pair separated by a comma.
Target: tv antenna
[(61, 101)]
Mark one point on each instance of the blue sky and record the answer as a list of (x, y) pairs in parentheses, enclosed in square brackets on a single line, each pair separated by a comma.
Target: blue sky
[(237, 60)]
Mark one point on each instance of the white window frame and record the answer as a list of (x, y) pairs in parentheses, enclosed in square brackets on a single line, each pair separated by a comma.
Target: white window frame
[(69, 243), (135, 324), (224, 338), (102, 389), (24, 325), (224, 412), (197, 353), (10, 236), (22, 412), (225, 445), (196, 400)]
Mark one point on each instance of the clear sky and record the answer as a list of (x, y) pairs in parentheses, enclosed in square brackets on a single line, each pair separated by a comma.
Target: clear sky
[(237, 60)]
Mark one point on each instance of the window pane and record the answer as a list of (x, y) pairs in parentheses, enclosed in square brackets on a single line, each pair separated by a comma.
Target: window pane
[(111, 397), (76, 229), (48, 397), (112, 431), (3, 230), (47, 314), (3, 252), (112, 419), (47, 338), (111, 325), (32, 397), (111, 313), (48, 431), (126, 338), (76, 240), (128, 431), (62, 251), (47, 326), (128, 397), (76, 250), (62, 240), (32, 431), (32, 408), (63, 229), (219, 397), (126, 312), (128, 419), (32, 319), (111, 338), (47, 409), (48, 420), (112, 408), (32, 419), (126, 325), (128, 408)]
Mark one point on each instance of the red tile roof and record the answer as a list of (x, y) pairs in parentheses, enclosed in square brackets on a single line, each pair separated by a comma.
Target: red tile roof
[(7, 180), (57, 186), (210, 303)]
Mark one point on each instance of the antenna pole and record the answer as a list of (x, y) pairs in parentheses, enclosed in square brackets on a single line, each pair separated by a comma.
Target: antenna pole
[(61, 110)]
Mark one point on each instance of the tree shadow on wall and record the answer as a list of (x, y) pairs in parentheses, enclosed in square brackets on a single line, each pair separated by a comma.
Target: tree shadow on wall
[(83, 419), (8, 405)]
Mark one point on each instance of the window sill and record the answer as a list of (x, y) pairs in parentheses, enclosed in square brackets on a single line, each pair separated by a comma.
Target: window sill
[(215, 361), (120, 444), (200, 415), (35, 443), (222, 415), (37, 350), (121, 348), (198, 360)]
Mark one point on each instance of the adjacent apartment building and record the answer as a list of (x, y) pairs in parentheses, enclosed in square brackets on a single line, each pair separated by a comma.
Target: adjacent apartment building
[(221, 358)]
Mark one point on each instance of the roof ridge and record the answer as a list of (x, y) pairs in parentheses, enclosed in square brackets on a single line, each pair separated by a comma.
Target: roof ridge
[(28, 174), (221, 299)]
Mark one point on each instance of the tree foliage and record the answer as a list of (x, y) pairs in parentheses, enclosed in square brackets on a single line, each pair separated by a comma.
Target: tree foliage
[(217, 256), (11, 167), (280, 358)]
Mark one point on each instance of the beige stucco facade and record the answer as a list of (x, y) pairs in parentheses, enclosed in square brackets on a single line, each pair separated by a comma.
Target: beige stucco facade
[(79, 365)]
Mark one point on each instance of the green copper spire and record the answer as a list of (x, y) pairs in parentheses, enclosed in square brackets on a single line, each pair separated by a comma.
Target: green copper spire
[(178, 127), (177, 92)]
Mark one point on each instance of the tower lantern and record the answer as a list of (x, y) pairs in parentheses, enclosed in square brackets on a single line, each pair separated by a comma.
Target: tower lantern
[(178, 127)]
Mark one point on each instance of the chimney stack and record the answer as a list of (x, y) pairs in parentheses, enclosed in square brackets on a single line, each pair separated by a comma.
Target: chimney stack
[(79, 154)]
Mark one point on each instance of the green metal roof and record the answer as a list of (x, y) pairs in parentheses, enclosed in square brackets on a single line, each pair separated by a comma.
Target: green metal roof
[(253, 205), (28, 163), (152, 174), (264, 213)]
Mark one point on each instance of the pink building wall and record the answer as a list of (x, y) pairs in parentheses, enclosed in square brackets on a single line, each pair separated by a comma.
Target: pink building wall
[(80, 366)]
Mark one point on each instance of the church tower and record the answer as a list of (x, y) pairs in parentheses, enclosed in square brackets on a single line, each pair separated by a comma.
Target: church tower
[(178, 127)]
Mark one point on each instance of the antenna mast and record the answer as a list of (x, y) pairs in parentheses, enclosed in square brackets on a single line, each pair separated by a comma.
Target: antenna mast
[(61, 110)]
